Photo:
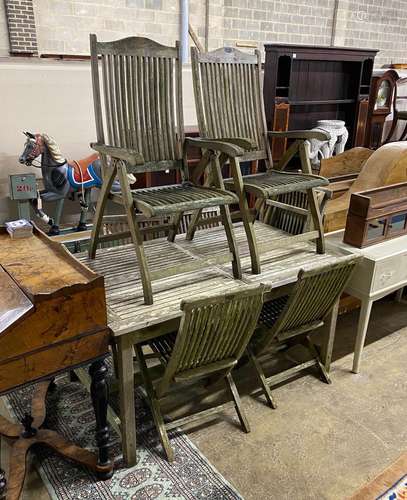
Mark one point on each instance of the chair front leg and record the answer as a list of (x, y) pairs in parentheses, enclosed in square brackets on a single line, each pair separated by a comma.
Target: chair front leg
[(196, 216), (316, 219), (245, 214), (238, 403), (312, 199), (262, 379), (109, 175), (303, 149), (227, 220), (325, 375), (176, 220), (135, 233), (154, 405)]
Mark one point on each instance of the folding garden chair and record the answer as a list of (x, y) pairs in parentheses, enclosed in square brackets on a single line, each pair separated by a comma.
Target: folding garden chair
[(137, 88), (212, 336), (292, 318), (229, 104)]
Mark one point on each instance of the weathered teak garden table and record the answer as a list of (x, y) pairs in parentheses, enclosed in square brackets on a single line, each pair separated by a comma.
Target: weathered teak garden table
[(131, 321)]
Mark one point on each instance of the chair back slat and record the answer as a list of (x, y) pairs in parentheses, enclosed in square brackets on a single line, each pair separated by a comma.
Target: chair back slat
[(212, 330), (228, 95), (139, 109), (312, 298)]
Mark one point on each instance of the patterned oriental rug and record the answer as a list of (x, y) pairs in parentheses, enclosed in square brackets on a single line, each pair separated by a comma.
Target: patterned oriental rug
[(391, 484), (69, 411)]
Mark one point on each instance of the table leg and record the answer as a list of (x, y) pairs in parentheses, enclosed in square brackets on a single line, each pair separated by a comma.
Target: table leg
[(127, 403), (399, 294), (3, 483), (328, 345), (99, 391), (363, 323)]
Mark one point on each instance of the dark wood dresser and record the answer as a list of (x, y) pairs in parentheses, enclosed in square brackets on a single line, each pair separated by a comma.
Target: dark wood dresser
[(305, 83)]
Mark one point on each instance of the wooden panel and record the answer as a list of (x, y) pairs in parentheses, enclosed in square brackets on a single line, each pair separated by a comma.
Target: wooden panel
[(361, 123), (54, 320), (281, 118), (59, 357)]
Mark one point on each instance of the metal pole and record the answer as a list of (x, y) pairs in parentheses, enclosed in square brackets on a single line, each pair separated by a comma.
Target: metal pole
[(207, 25), (184, 30), (334, 22)]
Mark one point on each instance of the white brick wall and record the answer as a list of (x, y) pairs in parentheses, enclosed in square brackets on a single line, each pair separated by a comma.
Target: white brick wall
[(63, 26), (375, 24), (292, 21)]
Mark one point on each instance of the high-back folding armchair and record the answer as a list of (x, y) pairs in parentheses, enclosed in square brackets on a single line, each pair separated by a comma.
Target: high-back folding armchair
[(292, 318), (137, 89), (229, 104), (212, 336)]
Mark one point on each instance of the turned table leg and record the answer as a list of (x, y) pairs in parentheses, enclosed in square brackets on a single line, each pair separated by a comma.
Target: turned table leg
[(99, 391), (3, 483)]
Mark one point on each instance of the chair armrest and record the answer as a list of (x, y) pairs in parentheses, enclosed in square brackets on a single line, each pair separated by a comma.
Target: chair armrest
[(242, 142), (131, 156), (215, 145), (327, 192), (320, 135), (325, 195)]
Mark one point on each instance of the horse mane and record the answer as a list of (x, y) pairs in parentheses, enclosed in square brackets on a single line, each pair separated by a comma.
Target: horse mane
[(53, 149)]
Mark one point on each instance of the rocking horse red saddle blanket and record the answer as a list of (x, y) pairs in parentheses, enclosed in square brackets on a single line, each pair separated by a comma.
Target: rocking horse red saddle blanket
[(85, 172)]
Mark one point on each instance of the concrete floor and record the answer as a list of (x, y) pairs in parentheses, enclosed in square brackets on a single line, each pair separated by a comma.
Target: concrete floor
[(322, 442)]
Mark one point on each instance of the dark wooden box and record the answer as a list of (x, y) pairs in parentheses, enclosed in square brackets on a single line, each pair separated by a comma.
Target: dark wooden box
[(376, 215)]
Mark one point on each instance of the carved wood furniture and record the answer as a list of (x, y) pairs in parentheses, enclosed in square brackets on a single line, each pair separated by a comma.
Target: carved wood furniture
[(212, 336), (141, 130), (376, 215), (229, 104), (292, 319), (383, 95), (396, 128), (131, 322), (387, 165), (381, 271), (52, 319), (305, 83)]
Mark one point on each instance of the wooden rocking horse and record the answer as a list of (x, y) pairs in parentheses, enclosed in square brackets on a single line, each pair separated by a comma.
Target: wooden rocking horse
[(62, 178)]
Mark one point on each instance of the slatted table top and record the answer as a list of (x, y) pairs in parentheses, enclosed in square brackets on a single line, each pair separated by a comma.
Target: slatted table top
[(126, 309)]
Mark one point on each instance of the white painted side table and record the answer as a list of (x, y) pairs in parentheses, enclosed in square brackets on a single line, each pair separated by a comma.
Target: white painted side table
[(382, 271)]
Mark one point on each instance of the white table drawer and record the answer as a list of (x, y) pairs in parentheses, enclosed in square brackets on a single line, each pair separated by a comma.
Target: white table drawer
[(389, 272)]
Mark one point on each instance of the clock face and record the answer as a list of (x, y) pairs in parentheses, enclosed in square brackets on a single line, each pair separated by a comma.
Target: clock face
[(383, 95)]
